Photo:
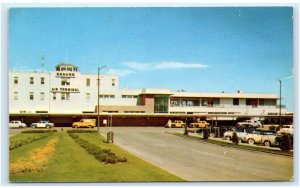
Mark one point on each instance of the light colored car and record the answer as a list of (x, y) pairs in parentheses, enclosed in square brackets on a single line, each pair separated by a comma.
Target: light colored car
[(175, 124), (261, 137), (241, 135), (249, 123), (42, 124), (17, 124), (286, 129)]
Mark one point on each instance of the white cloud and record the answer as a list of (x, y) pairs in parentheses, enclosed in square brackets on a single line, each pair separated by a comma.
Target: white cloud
[(179, 65), (163, 65), (120, 72), (133, 67), (137, 66)]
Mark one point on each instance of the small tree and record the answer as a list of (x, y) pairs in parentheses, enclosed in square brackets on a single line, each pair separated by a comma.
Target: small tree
[(205, 134), (235, 138), (285, 143)]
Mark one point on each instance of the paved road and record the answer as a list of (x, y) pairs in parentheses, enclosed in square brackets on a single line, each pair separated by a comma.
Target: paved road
[(195, 161)]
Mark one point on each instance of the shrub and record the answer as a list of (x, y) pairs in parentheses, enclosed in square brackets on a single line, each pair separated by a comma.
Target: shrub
[(81, 131), (28, 140), (39, 131), (102, 155), (235, 138), (205, 134), (285, 142)]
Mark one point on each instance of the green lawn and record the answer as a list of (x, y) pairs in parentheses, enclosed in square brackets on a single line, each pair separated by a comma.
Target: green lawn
[(71, 163)]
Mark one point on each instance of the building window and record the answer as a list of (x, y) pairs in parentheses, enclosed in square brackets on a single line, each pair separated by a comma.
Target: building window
[(236, 102), (16, 97), (16, 80), (106, 96), (31, 95), (31, 80), (65, 82), (67, 96), (252, 102), (111, 96), (161, 104), (204, 102), (88, 96), (54, 96), (63, 96), (123, 96), (42, 96), (42, 80), (113, 82), (88, 82)]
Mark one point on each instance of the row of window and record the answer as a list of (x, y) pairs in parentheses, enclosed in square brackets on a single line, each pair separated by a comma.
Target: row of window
[(129, 96), (88, 82), (31, 96), (65, 74), (63, 81), (31, 80), (216, 102)]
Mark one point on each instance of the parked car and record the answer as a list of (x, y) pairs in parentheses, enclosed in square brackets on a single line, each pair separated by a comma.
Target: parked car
[(286, 129), (17, 124), (240, 133), (175, 124), (261, 137), (199, 124), (90, 123), (249, 123), (42, 124)]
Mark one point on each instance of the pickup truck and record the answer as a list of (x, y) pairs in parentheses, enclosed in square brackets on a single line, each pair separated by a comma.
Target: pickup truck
[(175, 124), (90, 123), (42, 124), (249, 123), (17, 124)]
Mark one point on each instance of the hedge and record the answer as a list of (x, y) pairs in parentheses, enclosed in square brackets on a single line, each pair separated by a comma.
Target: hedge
[(102, 155), (39, 131), (28, 140), (81, 131)]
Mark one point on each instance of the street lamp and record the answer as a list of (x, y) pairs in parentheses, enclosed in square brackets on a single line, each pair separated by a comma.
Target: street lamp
[(98, 107), (279, 103)]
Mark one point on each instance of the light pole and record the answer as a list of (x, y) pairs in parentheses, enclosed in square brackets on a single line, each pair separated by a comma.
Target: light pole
[(98, 106), (279, 103)]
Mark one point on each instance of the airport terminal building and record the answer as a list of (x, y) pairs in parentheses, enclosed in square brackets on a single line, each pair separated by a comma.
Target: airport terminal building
[(68, 94)]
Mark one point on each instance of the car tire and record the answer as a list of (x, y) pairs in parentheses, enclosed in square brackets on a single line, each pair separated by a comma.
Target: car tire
[(251, 141), (212, 135), (90, 126), (33, 127), (267, 143), (240, 140), (227, 138), (20, 127)]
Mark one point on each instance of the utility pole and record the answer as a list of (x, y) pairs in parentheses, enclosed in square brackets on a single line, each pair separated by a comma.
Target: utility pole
[(279, 103), (98, 106)]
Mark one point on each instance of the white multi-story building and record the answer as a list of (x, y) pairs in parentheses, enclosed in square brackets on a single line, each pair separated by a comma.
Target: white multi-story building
[(68, 91)]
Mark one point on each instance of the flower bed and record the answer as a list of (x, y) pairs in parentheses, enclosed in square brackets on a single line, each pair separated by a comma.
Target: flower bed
[(102, 155), (37, 161)]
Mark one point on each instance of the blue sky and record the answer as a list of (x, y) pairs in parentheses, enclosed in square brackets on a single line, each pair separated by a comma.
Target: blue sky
[(195, 49)]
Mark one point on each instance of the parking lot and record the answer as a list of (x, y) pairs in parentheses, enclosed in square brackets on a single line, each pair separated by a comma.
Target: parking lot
[(198, 161)]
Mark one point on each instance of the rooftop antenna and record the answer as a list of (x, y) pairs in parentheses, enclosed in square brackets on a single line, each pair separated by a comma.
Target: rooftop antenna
[(66, 56), (43, 62)]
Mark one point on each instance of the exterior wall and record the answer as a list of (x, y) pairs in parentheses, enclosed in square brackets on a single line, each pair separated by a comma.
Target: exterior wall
[(83, 98)]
